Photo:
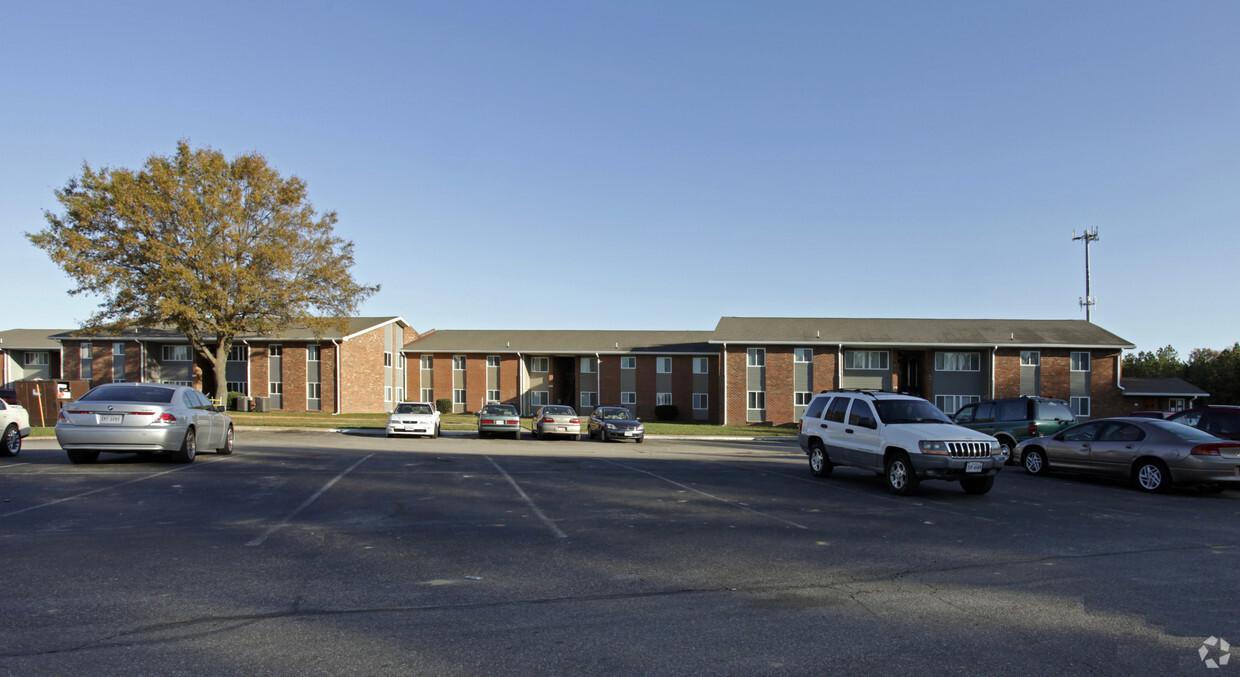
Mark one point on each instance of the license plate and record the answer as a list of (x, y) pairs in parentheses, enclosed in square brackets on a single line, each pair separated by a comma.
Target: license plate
[(562, 429), (113, 419), (973, 466), (628, 433)]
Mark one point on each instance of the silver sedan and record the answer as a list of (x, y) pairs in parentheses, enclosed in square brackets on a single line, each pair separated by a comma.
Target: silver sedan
[(556, 419), (1155, 454), (143, 417)]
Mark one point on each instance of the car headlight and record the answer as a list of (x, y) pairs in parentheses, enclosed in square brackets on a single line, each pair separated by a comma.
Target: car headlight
[(933, 447), (995, 447), (611, 426)]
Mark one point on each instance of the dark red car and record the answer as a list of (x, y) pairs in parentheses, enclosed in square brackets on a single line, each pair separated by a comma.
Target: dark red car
[(1220, 420)]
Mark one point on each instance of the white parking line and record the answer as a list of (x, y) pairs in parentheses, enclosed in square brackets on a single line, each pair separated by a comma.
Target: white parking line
[(710, 496), (94, 491), (550, 525), (304, 504)]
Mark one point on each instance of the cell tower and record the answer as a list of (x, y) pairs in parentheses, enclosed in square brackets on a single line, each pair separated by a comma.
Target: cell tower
[(1088, 302)]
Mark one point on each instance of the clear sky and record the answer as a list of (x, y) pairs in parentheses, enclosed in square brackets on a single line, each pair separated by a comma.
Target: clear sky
[(660, 164)]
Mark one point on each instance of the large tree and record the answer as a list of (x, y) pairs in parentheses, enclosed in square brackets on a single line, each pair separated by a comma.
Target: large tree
[(211, 247), (1162, 363)]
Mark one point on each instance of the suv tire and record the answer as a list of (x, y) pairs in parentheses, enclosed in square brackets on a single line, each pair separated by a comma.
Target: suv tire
[(899, 474), (819, 464)]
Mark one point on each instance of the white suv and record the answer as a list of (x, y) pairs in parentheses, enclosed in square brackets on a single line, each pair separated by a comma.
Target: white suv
[(902, 438)]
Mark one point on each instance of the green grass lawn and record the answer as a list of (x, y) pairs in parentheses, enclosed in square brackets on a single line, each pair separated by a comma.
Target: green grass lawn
[(469, 422)]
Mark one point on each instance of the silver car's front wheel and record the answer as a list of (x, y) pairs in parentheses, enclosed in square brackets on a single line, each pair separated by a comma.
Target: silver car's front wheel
[(12, 443)]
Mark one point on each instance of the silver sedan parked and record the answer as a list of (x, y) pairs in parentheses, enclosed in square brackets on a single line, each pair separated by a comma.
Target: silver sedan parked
[(1154, 453), (556, 419), (143, 417)]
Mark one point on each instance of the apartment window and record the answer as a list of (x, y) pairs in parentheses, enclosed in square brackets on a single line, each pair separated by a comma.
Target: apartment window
[(84, 351), (803, 355), (275, 350), (175, 353), (169, 382), (1080, 405), (458, 362), (628, 363), (400, 360), (118, 349), (589, 365), (238, 354), (314, 396), (538, 398), (400, 394), (663, 365), (35, 359), (757, 399), (802, 398), (428, 361), (756, 357), (238, 387), (313, 354), (701, 401), (458, 396), (387, 393), (661, 399), (1030, 358), (1080, 362), (952, 403), (589, 399), (701, 365), (275, 388), (628, 399), (492, 396), (540, 364), (1176, 404), (387, 359), (872, 360), (493, 361), (957, 361), (428, 394)]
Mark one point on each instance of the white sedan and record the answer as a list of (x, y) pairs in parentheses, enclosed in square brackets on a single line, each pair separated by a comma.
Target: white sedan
[(414, 418), (16, 423)]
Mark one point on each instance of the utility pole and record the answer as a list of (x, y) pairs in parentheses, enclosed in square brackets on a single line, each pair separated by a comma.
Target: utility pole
[(1088, 302)]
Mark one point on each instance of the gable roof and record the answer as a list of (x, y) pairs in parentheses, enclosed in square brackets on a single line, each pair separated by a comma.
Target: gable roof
[(29, 339), (916, 332), (296, 332), (1160, 387), (562, 342)]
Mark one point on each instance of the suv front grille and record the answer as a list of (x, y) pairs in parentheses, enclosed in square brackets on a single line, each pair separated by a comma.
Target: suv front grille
[(968, 449)]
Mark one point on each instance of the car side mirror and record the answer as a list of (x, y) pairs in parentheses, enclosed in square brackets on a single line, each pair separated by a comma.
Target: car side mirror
[(219, 408), (1058, 437)]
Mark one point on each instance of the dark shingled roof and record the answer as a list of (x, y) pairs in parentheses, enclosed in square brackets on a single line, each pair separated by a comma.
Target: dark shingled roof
[(563, 342), (1155, 387), (857, 331), (30, 339)]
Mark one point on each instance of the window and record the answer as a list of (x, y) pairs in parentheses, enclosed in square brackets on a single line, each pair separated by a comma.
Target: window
[(428, 394), (816, 407), (175, 354), (492, 396), (313, 354), (957, 361), (628, 363), (756, 358), (663, 365), (538, 397), (701, 365), (757, 399), (387, 393), (1080, 361), (589, 365), (1030, 358), (866, 359), (458, 363), (400, 394), (169, 382), (400, 360), (661, 399), (493, 361), (314, 392), (1176, 404), (589, 399), (428, 361), (801, 399), (85, 362), (118, 349), (862, 415), (540, 365), (238, 387), (701, 401), (803, 355), (458, 396), (837, 409), (387, 359), (33, 359), (238, 353), (84, 351), (275, 350), (275, 388), (1080, 405), (952, 403), (628, 398)]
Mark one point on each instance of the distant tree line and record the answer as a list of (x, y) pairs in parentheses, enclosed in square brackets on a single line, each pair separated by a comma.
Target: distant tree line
[(1215, 371)]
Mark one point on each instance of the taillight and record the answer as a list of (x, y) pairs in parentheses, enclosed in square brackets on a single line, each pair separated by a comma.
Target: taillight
[(75, 412), (547, 420), (166, 418), (61, 417), (575, 421), (1211, 448), (1033, 429), (486, 420)]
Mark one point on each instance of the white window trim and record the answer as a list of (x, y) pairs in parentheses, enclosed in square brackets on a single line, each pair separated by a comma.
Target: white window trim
[(755, 357), (1072, 360), (701, 365), (628, 398), (545, 363), (659, 363), (628, 362), (492, 396), (805, 395), (943, 357), (870, 357), (751, 396), (1037, 358), (493, 361), (662, 399), (458, 396), (539, 398), (589, 365), (1086, 411), (461, 360), (959, 400), (701, 401), (428, 362), (589, 398), (314, 353), (797, 352)]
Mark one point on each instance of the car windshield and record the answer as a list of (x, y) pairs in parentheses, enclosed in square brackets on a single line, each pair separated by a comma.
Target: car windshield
[(616, 415), (113, 393), (406, 408), (909, 411), (499, 410), (1184, 432), (558, 411)]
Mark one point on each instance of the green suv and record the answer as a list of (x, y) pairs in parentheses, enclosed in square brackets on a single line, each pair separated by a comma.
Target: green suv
[(1016, 419)]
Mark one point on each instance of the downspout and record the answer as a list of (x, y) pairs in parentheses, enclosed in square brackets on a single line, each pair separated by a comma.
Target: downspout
[(521, 381), (249, 387), (725, 383), (337, 346), (598, 381), (142, 363), (994, 354), (839, 367)]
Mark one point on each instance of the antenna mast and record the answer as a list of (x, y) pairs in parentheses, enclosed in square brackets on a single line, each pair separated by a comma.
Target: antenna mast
[(1088, 302)]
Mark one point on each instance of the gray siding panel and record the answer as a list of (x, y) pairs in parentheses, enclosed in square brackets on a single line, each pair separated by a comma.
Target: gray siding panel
[(1030, 381)]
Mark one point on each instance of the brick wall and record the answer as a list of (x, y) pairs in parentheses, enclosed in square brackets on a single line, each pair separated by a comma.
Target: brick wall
[(682, 386), (1105, 396), (1056, 379), (475, 382), (825, 370), (260, 370), (509, 379), (293, 372), (736, 363), (328, 355), (1007, 372), (779, 385), (646, 387), (361, 373), (609, 380)]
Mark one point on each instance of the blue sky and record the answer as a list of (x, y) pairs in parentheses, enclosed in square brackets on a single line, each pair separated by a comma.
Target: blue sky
[(502, 164)]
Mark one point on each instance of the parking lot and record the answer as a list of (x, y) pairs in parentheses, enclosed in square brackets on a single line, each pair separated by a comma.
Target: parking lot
[(322, 553)]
